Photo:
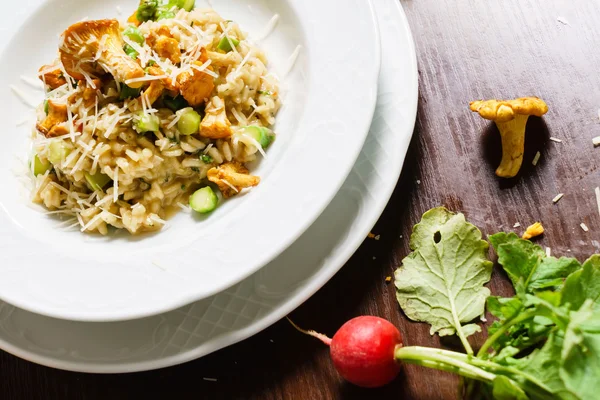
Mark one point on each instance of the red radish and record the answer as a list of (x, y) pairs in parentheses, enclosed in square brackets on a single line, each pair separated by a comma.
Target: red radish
[(362, 350)]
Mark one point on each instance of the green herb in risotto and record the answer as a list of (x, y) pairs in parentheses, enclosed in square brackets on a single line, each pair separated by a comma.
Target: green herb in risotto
[(206, 159), (175, 103), (127, 92)]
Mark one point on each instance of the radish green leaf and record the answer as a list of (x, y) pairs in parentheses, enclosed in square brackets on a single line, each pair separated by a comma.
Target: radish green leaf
[(441, 281)]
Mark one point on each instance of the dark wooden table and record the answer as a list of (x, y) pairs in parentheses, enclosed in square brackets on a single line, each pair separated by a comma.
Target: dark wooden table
[(467, 50)]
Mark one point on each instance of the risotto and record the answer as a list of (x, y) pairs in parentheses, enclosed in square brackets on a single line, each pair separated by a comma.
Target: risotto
[(146, 116)]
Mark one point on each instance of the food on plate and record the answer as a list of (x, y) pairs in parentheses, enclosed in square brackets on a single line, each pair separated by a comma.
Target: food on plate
[(95, 48), (141, 118), (511, 118), (533, 230), (54, 123), (545, 343), (232, 177), (204, 200)]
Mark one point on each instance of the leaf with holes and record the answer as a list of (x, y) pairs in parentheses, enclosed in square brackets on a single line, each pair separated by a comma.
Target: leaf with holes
[(441, 281)]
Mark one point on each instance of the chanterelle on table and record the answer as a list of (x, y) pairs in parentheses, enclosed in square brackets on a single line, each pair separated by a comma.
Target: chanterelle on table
[(511, 118)]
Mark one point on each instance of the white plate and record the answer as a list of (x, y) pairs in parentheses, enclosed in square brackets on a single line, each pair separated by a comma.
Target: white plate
[(275, 290), (329, 100)]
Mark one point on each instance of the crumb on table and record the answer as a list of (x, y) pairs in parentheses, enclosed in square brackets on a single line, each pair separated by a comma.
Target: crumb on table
[(533, 230)]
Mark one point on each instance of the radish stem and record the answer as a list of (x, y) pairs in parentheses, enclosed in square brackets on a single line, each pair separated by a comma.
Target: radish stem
[(443, 360), (466, 366), (458, 326), (323, 338), (558, 318), (502, 330)]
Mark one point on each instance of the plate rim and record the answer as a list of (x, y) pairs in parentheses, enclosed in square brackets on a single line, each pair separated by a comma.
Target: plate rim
[(279, 311)]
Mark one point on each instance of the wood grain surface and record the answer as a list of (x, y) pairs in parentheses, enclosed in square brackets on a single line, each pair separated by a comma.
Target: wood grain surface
[(467, 50)]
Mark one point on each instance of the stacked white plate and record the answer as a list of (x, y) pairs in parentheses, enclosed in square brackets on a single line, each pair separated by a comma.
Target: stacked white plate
[(289, 257)]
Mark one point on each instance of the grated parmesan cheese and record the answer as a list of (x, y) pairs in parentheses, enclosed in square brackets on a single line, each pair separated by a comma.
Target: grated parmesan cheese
[(269, 28), (292, 60), (117, 117), (70, 158), (79, 162), (184, 25), (108, 213), (184, 207), (95, 163), (226, 35), (536, 159), (230, 185), (132, 154), (178, 115), (58, 212), (91, 223), (596, 141), (101, 47), (584, 227), (62, 189), (255, 144), (87, 76), (71, 125), (548, 251), (34, 83), (239, 116), (557, 198), (557, 140), (40, 183), (77, 37), (104, 201), (146, 78), (67, 221), (244, 61), (80, 219), (516, 225), (23, 97), (116, 185), (53, 68), (156, 218), (203, 67), (84, 202)]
